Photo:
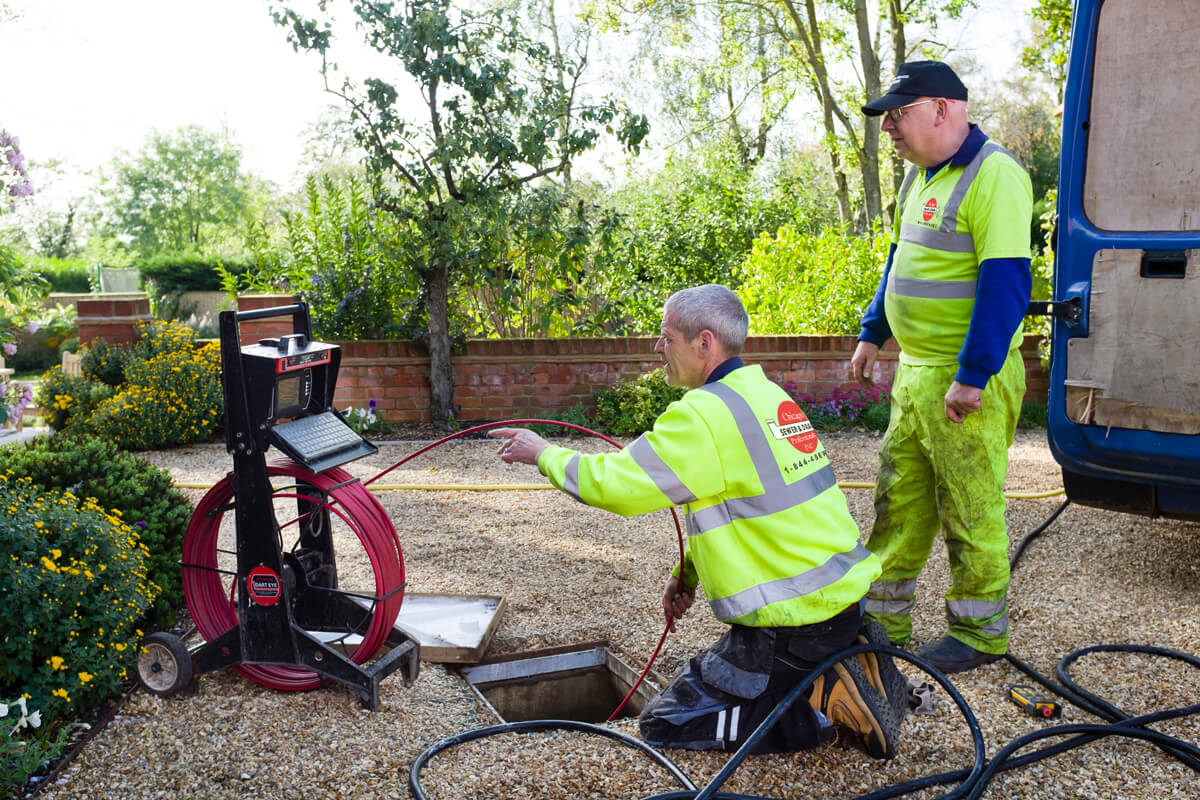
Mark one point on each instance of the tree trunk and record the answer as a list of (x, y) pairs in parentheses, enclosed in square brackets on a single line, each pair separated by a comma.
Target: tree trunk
[(828, 107), (441, 371), (899, 55), (869, 154)]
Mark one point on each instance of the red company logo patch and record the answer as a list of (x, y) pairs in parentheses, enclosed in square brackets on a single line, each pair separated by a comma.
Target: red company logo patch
[(930, 209), (794, 426), (262, 584)]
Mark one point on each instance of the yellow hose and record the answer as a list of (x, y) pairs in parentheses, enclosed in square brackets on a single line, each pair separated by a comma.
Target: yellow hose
[(536, 487)]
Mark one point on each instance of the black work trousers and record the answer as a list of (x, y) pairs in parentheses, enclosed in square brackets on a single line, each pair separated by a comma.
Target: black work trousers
[(721, 696)]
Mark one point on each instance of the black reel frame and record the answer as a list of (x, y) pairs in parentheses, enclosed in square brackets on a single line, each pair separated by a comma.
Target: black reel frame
[(280, 596)]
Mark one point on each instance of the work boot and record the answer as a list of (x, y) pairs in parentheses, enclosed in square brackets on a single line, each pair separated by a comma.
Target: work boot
[(881, 670), (846, 697), (950, 655)]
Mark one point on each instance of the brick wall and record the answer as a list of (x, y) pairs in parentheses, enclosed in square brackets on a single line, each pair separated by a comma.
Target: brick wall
[(503, 379), (112, 317), (510, 378)]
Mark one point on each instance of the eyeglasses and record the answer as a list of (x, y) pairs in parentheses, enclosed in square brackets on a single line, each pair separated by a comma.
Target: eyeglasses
[(897, 114)]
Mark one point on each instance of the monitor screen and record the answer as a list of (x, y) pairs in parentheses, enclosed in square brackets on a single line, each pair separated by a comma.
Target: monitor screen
[(287, 395)]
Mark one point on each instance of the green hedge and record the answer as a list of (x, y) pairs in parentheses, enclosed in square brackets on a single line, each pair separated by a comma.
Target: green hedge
[(181, 272), (71, 275)]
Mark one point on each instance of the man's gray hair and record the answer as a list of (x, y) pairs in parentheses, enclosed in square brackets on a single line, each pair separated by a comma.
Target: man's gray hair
[(710, 307)]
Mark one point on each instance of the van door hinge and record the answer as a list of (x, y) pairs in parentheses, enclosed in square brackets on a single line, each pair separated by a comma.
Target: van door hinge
[(1069, 311)]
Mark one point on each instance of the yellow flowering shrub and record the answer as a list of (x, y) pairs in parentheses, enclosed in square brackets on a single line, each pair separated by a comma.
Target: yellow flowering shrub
[(171, 399), (75, 589), (168, 391)]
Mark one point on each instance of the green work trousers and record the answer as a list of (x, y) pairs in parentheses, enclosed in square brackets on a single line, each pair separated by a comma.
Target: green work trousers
[(936, 474)]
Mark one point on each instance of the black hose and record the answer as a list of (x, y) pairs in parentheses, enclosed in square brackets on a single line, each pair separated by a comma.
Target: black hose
[(1036, 532), (710, 791), (414, 775), (973, 782)]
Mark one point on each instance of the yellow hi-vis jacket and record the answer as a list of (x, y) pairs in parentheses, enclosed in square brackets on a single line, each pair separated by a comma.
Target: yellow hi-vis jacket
[(769, 534)]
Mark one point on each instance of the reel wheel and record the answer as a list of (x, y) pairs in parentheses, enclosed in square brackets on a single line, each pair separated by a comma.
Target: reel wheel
[(164, 665)]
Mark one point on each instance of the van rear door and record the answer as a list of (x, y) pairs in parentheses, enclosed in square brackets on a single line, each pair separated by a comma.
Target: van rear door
[(1124, 403)]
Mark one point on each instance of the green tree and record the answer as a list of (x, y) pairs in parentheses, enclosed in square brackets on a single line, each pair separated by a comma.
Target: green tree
[(694, 220), (184, 191), (1047, 53), (492, 123), (765, 51)]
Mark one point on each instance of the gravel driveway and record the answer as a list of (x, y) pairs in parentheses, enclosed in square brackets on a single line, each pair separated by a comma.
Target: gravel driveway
[(572, 574)]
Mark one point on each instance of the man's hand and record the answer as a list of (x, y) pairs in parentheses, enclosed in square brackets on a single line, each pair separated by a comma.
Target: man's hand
[(862, 363), (962, 400), (676, 599), (520, 445)]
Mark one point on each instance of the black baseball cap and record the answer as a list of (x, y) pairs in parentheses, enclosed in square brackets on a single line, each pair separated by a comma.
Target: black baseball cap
[(914, 80)]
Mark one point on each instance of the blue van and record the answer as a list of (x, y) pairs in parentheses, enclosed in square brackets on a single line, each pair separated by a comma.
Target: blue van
[(1124, 403)]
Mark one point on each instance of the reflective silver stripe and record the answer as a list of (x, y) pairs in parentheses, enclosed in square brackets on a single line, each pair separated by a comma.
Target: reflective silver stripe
[(777, 494), (946, 237), (996, 627), (752, 434), (774, 501), (980, 609), (891, 597), (720, 734), (974, 609), (571, 479), (937, 240), (813, 580), (734, 714), (969, 173), (909, 178), (902, 608), (893, 590), (931, 289), (664, 477)]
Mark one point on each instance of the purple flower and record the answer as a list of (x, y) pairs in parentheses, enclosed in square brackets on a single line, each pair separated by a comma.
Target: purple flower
[(10, 348), (372, 404), (33, 326), (141, 524)]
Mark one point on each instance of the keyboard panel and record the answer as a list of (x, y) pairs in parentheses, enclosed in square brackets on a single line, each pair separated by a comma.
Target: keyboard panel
[(316, 437)]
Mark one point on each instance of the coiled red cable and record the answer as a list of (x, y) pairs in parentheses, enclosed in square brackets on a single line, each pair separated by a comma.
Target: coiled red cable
[(214, 611)]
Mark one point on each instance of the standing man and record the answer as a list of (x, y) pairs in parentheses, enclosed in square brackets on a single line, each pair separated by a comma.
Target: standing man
[(954, 290), (769, 536)]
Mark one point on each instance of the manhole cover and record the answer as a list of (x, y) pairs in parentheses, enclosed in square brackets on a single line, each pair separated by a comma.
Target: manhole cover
[(585, 683)]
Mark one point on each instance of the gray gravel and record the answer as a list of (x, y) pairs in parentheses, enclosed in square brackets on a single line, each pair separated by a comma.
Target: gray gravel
[(572, 574)]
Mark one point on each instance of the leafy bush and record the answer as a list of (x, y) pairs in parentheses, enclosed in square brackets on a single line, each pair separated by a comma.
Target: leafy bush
[(695, 220), (1033, 415), (43, 339), (28, 744), (75, 590), (175, 273), (104, 363), (846, 408), (877, 416), (630, 407), (797, 283), (367, 420), (67, 401), (574, 415), (172, 399), (89, 466)]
